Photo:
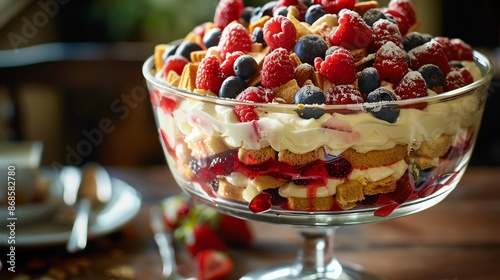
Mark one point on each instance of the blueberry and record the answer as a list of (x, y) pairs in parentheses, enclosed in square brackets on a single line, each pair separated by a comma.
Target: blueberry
[(186, 47), (413, 40), (372, 15), (212, 37), (368, 80), (168, 52), (331, 50), (432, 75), (266, 10), (281, 11), (194, 165), (247, 14), (258, 36), (314, 12), (310, 46), (245, 67), (390, 18), (231, 87), (384, 111), (309, 95), (214, 184)]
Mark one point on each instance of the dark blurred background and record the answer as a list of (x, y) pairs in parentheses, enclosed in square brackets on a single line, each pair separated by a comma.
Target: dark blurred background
[(74, 67)]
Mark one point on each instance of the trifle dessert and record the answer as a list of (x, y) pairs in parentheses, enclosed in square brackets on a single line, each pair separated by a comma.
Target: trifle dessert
[(317, 105)]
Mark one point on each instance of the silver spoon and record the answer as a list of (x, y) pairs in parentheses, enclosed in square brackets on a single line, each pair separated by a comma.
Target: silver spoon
[(163, 240), (94, 191), (70, 178)]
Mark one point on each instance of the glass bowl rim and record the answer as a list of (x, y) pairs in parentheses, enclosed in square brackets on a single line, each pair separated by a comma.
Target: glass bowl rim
[(485, 65)]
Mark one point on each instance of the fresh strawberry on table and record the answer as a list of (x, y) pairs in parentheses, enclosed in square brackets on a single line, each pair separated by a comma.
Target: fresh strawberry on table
[(203, 237), (205, 234), (213, 264)]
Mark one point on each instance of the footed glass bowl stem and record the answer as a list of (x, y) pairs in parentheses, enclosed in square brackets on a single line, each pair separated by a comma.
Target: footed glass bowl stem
[(315, 260)]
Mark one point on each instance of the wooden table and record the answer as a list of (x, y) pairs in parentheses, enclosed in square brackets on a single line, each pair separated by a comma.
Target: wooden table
[(457, 239)]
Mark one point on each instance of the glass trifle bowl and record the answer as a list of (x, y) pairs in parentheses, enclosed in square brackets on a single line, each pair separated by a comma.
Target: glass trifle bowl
[(345, 166), (316, 115)]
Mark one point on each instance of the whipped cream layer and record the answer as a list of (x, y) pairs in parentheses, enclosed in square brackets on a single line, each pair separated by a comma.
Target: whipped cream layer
[(197, 120)]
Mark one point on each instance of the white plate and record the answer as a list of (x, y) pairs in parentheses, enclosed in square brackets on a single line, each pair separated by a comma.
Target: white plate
[(124, 205)]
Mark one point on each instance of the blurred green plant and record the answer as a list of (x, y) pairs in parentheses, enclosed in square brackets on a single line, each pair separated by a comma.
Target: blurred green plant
[(154, 20)]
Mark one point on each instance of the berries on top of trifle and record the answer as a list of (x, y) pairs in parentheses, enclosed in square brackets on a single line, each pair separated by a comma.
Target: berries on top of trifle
[(321, 52)]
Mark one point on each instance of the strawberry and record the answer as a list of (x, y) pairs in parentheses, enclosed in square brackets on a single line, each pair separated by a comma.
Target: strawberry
[(352, 32), (209, 76), (405, 8), (176, 210), (202, 237), (412, 86), (234, 231), (390, 62), (338, 67), (234, 37), (246, 113), (334, 6), (383, 32), (174, 63), (277, 68), (431, 52), (279, 32), (344, 94), (228, 11), (213, 264), (227, 65)]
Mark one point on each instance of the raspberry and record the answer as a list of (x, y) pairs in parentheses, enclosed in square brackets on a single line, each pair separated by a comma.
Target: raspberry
[(429, 53), (462, 49), (228, 11), (174, 63), (467, 75), (209, 76), (277, 68), (455, 49), (334, 6), (343, 94), (227, 65), (401, 21), (352, 32), (279, 32), (246, 113), (454, 79), (390, 62), (405, 8), (234, 38), (412, 86), (383, 32), (298, 4), (338, 67)]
